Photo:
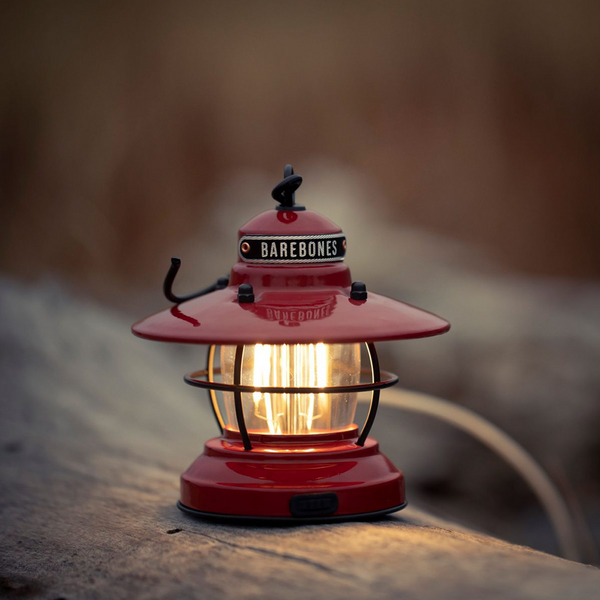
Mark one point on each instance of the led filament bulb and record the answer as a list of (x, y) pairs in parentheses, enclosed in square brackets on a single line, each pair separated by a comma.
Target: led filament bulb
[(294, 365)]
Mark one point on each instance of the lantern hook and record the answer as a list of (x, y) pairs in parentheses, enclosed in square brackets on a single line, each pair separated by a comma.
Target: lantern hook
[(220, 284), (285, 191)]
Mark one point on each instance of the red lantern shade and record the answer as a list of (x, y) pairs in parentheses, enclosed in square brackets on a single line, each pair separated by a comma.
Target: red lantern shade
[(287, 449), (295, 302)]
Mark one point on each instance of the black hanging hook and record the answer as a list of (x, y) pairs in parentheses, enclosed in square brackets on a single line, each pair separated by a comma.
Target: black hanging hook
[(220, 284), (285, 191)]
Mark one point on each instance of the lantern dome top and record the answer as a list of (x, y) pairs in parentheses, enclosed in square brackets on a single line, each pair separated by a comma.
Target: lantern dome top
[(290, 285), (279, 222)]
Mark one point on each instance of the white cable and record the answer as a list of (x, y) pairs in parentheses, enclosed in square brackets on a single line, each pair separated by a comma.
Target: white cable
[(498, 441)]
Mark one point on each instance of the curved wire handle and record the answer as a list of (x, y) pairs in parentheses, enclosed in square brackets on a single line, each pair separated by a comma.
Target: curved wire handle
[(220, 284)]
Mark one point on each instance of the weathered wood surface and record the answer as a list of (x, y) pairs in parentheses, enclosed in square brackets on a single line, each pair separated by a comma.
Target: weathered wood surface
[(95, 428)]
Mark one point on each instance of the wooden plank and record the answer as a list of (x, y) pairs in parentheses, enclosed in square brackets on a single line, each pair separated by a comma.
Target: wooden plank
[(96, 427)]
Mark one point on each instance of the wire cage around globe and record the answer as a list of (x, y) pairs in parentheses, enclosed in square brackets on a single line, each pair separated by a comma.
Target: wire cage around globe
[(317, 396)]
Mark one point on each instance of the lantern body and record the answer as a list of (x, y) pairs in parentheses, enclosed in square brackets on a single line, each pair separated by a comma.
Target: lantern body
[(301, 365), (308, 478), (290, 323)]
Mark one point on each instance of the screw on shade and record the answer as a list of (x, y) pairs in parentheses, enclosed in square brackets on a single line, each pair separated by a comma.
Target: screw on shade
[(245, 294), (358, 291)]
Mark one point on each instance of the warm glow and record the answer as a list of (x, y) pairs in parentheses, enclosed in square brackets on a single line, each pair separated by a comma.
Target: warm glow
[(294, 365)]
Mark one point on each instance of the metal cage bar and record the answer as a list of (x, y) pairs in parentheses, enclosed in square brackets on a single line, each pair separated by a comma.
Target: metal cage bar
[(374, 395), (212, 394), (375, 387), (389, 380), (239, 409)]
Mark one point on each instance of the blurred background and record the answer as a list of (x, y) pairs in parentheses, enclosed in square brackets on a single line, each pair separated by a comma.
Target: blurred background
[(456, 144)]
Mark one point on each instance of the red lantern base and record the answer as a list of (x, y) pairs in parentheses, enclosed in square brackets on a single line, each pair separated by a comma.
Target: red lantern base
[(317, 477)]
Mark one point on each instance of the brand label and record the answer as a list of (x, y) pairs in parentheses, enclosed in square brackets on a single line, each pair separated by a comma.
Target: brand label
[(280, 249)]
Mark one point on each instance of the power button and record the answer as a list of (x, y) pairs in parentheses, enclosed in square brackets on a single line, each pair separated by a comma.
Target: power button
[(313, 505)]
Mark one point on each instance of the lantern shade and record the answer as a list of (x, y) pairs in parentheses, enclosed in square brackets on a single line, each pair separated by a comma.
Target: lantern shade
[(289, 317), (296, 299)]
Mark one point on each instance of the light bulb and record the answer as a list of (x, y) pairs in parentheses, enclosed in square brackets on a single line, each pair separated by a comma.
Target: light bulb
[(294, 365)]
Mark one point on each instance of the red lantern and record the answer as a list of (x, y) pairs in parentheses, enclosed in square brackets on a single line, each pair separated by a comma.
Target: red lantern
[(288, 327)]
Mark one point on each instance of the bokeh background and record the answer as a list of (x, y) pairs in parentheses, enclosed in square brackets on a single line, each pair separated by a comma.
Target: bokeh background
[(456, 143)]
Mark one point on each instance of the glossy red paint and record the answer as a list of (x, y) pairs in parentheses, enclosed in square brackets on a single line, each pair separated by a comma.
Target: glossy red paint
[(293, 303), (285, 222), (314, 314), (226, 480)]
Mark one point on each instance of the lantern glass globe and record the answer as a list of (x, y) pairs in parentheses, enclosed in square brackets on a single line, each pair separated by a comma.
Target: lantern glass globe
[(316, 365)]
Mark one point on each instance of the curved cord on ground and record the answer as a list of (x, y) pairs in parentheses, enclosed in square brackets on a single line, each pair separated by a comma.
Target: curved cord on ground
[(494, 438)]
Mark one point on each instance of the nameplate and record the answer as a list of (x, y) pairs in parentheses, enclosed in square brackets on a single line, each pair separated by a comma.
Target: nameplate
[(282, 249)]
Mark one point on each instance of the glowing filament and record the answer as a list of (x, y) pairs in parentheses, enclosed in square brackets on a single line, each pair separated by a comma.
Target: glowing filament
[(295, 365)]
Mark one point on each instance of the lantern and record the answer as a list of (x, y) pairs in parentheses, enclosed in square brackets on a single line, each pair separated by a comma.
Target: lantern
[(285, 333)]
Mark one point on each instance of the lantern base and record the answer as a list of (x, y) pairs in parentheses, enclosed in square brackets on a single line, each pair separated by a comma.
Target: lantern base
[(314, 478), (289, 520)]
